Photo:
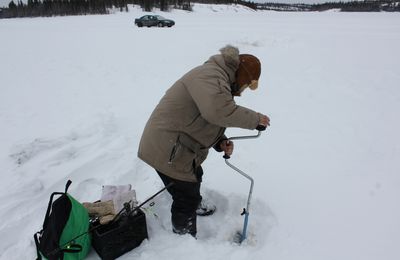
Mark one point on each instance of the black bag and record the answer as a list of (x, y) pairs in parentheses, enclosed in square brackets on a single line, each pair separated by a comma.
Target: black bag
[(120, 236), (65, 234)]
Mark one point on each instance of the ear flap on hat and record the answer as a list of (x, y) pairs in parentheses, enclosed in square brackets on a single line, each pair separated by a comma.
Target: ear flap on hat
[(253, 85)]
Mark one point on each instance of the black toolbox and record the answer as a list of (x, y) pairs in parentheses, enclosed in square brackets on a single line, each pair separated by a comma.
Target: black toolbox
[(115, 239)]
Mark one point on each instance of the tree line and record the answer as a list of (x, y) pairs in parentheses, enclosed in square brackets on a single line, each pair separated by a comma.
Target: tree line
[(353, 6), (35, 8), (362, 6)]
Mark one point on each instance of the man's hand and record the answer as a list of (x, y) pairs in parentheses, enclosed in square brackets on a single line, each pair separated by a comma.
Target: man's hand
[(227, 147), (264, 120)]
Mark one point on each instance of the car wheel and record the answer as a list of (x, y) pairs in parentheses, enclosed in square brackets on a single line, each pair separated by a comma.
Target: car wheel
[(139, 24)]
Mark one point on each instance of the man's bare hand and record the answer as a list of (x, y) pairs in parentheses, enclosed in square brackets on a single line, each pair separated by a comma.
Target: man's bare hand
[(264, 120), (227, 147)]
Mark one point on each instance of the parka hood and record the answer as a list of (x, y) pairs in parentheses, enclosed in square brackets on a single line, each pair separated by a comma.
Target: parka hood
[(228, 60)]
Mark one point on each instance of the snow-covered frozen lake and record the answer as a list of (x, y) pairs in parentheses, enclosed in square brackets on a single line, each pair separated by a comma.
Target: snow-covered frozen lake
[(75, 93)]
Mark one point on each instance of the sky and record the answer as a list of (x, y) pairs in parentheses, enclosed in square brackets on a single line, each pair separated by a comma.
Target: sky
[(4, 3), (296, 1)]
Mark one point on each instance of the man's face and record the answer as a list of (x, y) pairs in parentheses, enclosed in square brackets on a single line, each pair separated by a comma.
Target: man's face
[(252, 85)]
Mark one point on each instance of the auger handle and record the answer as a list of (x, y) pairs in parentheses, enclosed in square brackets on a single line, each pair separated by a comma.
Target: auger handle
[(226, 157), (260, 128)]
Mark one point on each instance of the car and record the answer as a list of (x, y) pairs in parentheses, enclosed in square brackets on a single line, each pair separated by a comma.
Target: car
[(153, 20)]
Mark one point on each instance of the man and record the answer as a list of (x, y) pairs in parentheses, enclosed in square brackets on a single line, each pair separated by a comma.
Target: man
[(190, 119)]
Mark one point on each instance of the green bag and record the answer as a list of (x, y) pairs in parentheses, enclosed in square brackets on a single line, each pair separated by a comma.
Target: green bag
[(65, 234)]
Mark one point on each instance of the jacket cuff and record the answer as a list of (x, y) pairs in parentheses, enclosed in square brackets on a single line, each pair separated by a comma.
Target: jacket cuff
[(218, 144)]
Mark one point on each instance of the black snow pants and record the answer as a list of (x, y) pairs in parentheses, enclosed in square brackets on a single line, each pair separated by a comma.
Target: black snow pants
[(186, 198)]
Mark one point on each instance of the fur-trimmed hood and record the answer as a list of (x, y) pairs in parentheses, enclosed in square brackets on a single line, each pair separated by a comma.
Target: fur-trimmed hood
[(228, 60), (231, 56)]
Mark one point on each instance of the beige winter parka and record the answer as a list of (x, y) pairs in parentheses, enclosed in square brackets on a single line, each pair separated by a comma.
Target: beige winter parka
[(192, 117)]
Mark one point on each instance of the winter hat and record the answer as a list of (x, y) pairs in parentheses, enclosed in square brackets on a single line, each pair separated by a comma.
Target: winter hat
[(248, 73)]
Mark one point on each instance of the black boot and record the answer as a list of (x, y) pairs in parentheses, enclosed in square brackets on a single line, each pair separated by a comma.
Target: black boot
[(182, 225), (205, 208)]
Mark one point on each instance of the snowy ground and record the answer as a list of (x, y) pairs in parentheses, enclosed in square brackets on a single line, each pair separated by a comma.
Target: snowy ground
[(75, 93)]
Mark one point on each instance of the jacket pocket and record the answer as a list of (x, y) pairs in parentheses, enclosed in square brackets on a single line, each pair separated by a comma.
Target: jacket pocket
[(181, 157), (173, 152)]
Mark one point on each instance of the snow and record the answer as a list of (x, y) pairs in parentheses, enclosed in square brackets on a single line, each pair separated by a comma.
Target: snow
[(75, 94)]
